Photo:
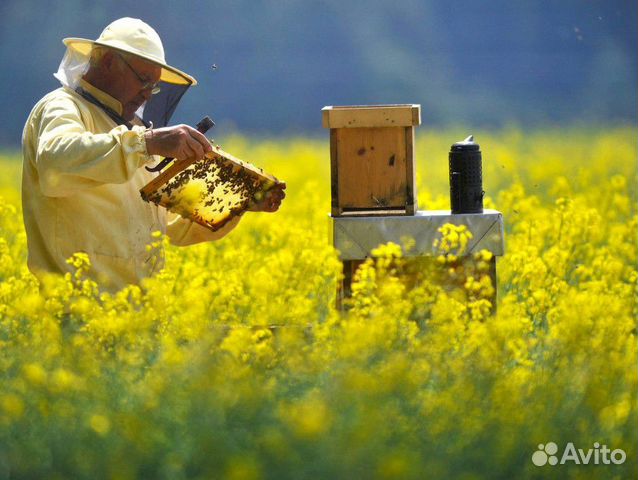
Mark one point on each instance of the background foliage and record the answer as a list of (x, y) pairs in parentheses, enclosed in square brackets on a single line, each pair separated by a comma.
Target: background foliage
[(470, 63), (233, 362)]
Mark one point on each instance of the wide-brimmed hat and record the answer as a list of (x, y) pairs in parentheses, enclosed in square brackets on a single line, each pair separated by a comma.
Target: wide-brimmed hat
[(131, 35)]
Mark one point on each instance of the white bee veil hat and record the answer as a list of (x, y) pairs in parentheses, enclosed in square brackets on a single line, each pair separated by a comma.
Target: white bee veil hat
[(132, 36)]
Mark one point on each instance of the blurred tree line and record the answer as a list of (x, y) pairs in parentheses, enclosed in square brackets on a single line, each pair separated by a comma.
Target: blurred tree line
[(278, 63)]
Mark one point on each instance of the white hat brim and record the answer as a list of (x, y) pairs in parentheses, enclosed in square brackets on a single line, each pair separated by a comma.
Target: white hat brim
[(169, 74)]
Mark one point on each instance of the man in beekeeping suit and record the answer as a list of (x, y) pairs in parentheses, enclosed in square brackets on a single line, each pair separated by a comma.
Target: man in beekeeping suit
[(85, 146)]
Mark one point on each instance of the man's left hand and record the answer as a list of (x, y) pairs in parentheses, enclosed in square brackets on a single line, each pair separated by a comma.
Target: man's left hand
[(271, 201)]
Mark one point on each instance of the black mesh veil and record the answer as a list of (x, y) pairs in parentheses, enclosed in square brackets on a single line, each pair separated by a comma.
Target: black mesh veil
[(159, 109)]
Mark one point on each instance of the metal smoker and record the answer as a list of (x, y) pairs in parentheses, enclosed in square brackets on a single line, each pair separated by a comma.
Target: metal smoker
[(373, 188), (466, 177)]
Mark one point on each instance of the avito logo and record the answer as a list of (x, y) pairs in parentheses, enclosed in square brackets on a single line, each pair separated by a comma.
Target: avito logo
[(599, 455)]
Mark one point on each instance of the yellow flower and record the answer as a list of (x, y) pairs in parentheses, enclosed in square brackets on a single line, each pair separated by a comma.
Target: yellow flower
[(100, 424), (35, 374), (63, 380), (308, 417), (12, 405)]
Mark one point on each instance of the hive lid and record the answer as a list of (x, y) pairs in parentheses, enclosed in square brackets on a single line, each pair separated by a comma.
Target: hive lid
[(358, 116), (210, 191)]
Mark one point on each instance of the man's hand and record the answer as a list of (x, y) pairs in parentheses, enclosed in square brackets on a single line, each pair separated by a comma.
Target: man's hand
[(180, 142), (271, 201)]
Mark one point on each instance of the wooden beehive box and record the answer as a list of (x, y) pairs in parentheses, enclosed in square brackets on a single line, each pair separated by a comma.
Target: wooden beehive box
[(372, 158), (209, 191)]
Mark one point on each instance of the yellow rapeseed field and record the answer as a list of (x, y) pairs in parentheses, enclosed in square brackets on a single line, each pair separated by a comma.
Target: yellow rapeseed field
[(233, 362)]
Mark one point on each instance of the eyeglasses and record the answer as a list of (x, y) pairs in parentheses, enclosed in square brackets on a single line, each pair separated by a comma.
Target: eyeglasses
[(146, 85)]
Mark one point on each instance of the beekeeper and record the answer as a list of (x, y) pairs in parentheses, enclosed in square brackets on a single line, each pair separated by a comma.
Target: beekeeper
[(85, 146)]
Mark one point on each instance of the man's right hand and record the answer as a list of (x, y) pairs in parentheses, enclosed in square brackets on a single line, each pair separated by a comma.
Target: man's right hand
[(180, 142)]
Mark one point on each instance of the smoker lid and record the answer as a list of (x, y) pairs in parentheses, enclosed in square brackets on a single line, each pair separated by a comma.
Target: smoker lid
[(466, 145)]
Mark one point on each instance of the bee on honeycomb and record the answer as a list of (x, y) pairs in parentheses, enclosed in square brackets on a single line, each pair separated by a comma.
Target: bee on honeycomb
[(210, 191)]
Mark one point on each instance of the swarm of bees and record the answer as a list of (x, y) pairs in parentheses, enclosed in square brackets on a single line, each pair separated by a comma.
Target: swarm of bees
[(210, 191)]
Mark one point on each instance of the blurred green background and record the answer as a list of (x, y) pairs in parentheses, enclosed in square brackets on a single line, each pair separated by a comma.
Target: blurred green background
[(477, 64)]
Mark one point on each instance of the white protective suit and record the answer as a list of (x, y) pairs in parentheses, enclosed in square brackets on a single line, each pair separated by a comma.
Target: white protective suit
[(80, 192)]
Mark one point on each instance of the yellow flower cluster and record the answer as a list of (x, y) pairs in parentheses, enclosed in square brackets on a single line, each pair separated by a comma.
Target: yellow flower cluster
[(233, 362)]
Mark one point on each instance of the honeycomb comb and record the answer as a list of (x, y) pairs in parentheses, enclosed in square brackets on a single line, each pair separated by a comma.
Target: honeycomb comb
[(210, 191)]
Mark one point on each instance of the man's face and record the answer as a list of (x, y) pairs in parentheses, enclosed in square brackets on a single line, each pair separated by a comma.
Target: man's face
[(133, 86)]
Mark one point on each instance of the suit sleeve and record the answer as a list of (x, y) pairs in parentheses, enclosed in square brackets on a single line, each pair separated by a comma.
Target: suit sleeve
[(69, 158), (183, 232)]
